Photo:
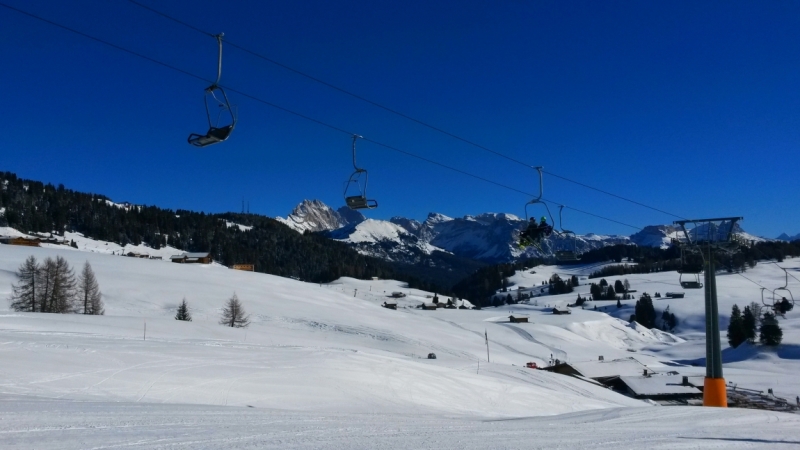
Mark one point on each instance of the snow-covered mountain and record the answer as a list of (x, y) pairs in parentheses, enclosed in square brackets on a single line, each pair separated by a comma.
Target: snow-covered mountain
[(383, 239), (313, 215), (655, 236), (786, 237), (488, 237)]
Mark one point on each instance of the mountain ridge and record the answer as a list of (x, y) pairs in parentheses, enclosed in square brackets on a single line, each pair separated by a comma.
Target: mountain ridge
[(487, 237)]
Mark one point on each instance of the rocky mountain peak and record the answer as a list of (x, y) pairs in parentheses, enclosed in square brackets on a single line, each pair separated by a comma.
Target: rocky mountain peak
[(314, 215)]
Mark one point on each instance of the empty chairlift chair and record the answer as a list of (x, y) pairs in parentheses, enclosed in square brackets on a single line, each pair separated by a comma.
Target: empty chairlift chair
[(215, 94), (692, 270), (355, 188)]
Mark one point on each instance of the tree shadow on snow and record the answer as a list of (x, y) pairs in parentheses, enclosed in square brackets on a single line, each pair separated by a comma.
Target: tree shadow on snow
[(748, 352)]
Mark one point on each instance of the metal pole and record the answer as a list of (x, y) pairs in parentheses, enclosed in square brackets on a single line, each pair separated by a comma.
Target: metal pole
[(486, 334), (716, 370), (714, 389)]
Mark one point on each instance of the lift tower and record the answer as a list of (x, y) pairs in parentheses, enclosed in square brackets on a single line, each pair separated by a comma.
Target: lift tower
[(707, 237)]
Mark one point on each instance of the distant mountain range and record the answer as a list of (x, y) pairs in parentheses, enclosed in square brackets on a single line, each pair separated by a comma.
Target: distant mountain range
[(787, 238), (489, 237)]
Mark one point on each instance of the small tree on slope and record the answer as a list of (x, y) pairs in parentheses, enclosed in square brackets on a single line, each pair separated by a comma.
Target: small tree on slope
[(736, 331), (645, 311), (89, 294), (183, 312), (770, 333), (233, 314), (749, 324), (23, 294)]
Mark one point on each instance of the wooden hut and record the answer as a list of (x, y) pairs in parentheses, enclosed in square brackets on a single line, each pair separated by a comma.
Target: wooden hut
[(390, 304)]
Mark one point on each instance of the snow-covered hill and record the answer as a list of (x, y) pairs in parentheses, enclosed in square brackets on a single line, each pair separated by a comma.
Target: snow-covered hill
[(786, 237), (325, 365)]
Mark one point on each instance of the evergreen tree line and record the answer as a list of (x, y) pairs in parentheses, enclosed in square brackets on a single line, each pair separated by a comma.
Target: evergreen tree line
[(649, 260), (559, 286), (603, 291), (51, 287), (270, 245), (481, 285), (744, 324), (645, 314)]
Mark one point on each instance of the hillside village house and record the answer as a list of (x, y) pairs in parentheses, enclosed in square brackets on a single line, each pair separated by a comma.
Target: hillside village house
[(29, 242), (193, 258)]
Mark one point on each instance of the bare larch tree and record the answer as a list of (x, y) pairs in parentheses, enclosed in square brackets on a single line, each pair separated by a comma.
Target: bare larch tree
[(23, 294), (88, 293), (233, 314)]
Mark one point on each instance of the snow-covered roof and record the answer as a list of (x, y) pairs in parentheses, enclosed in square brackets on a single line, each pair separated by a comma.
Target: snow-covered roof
[(197, 255), (658, 385), (518, 316), (617, 367)]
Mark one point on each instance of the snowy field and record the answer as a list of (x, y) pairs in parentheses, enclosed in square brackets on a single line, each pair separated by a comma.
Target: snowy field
[(324, 366)]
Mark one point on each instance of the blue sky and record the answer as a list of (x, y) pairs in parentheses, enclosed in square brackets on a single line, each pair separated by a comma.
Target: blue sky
[(690, 107)]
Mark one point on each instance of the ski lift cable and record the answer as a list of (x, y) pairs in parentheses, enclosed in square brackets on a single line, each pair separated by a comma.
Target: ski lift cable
[(303, 116), (398, 113), (786, 271), (757, 284)]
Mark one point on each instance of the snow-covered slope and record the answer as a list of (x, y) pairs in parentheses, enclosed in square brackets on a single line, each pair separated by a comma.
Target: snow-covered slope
[(310, 347), (325, 365)]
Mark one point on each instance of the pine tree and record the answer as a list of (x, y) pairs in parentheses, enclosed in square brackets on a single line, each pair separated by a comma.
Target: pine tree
[(736, 329), (610, 293), (619, 304), (770, 332), (233, 314), (618, 286), (88, 292), (183, 312), (645, 312), (749, 324), (596, 291), (23, 294), (673, 321)]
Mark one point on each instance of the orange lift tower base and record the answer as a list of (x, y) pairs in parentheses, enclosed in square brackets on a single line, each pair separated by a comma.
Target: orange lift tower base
[(707, 236)]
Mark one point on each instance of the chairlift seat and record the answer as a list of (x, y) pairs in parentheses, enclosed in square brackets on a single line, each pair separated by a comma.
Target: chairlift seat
[(360, 202), (691, 285), (214, 136)]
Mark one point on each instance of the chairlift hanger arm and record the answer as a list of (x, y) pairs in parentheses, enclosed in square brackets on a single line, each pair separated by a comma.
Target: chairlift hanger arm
[(219, 59), (355, 166)]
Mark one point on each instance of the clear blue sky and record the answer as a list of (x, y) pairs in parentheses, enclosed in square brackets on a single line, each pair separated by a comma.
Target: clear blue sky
[(691, 107)]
